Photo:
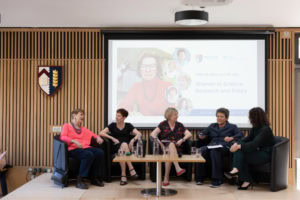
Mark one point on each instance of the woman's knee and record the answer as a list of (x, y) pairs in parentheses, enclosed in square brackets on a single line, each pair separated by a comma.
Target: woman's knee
[(88, 155), (172, 148), (124, 147), (99, 152), (124, 144), (172, 145)]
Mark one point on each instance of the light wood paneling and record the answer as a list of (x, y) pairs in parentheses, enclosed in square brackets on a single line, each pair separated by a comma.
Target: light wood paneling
[(281, 89), (26, 112)]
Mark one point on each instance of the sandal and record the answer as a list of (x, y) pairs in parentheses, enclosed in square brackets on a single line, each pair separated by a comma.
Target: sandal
[(123, 182), (134, 175)]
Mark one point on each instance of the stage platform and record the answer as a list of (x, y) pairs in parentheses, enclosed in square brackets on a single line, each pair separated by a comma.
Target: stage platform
[(43, 188)]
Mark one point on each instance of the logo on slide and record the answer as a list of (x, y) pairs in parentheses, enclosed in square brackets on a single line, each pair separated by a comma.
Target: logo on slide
[(50, 78)]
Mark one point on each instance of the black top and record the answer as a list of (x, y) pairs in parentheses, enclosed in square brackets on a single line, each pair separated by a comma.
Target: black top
[(122, 135), (259, 139), (217, 134), (171, 135)]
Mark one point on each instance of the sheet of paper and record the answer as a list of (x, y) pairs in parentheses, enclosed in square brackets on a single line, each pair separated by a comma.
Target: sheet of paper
[(214, 146)]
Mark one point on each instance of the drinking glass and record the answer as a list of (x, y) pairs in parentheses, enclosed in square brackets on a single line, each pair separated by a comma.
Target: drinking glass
[(193, 151), (198, 152), (133, 150), (166, 151), (121, 152)]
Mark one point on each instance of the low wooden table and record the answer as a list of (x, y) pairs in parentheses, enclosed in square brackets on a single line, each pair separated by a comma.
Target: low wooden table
[(158, 191)]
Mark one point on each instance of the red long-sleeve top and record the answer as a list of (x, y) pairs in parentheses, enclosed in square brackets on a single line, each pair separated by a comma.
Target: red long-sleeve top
[(68, 134), (148, 96)]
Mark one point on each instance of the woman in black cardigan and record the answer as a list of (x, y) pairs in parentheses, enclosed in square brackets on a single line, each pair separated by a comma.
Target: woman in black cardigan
[(255, 149)]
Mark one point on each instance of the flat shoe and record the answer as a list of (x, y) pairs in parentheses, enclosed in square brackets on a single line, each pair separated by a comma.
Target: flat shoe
[(166, 183), (181, 172)]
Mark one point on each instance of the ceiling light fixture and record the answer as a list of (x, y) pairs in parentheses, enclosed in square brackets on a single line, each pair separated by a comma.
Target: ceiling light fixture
[(191, 17)]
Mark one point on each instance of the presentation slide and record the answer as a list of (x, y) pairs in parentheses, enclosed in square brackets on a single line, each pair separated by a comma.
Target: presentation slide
[(195, 76)]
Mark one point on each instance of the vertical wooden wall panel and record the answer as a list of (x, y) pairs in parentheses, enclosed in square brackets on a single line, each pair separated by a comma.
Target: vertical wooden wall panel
[(27, 112), (281, 89)]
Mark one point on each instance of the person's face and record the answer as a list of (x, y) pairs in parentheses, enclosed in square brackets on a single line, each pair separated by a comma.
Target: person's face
[(221, 119), (174, 117), (119, 118), (181, 55), (148, 68), (79, 118)]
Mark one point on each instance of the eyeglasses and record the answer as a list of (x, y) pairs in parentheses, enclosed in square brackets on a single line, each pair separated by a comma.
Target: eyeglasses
[(148, 67)]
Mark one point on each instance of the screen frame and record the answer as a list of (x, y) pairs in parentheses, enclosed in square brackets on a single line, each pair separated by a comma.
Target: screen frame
[(173, 35), (297, 57)]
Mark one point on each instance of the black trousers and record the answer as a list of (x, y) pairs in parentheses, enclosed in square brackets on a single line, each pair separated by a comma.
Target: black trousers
[(3, 183), (242, 160), (213, 166), (91, 161)]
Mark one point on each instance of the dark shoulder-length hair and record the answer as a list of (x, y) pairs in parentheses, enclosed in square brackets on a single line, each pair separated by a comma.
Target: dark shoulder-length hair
[(258, 117)]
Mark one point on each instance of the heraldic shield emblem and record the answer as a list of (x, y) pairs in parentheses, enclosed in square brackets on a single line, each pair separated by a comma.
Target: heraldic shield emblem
[(50, 78)]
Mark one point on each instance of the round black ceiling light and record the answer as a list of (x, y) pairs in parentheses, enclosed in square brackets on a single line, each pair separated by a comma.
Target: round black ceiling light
[(191, 17)]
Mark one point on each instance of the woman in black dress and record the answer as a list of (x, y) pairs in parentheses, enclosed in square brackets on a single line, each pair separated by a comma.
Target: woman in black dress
[(171, 133), (255, 149), (119, 132)]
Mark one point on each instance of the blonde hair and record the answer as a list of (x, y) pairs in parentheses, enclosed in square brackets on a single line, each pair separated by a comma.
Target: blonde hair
[(169, 112)]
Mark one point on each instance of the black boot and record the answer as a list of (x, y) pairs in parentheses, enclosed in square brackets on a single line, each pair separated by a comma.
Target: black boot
[(97, 182), (80, 184)]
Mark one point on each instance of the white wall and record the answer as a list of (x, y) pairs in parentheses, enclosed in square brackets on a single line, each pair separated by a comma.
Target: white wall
[(142, 13)]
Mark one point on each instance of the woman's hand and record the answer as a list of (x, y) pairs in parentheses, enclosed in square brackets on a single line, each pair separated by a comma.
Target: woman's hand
[(99, 140), (235, 147), (179, 142), (77, 144), (115, 141), (162, 146), (131, 143), (228, 139), (201, 136)]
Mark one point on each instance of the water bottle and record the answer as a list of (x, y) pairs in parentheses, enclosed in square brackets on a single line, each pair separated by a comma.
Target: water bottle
[(155, 150), (139, 148)]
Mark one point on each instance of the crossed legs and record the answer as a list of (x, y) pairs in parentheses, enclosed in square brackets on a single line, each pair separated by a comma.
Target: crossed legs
[(173, 152)]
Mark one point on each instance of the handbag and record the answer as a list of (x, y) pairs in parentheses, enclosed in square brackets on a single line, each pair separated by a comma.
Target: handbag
[(60, 177)]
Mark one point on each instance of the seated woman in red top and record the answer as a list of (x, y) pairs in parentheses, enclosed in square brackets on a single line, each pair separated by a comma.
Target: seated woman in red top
[(171, 133), (119, 133), (147, 97), (78, 139)]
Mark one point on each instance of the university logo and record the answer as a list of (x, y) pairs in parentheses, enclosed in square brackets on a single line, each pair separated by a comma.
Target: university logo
[(50, 78)]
